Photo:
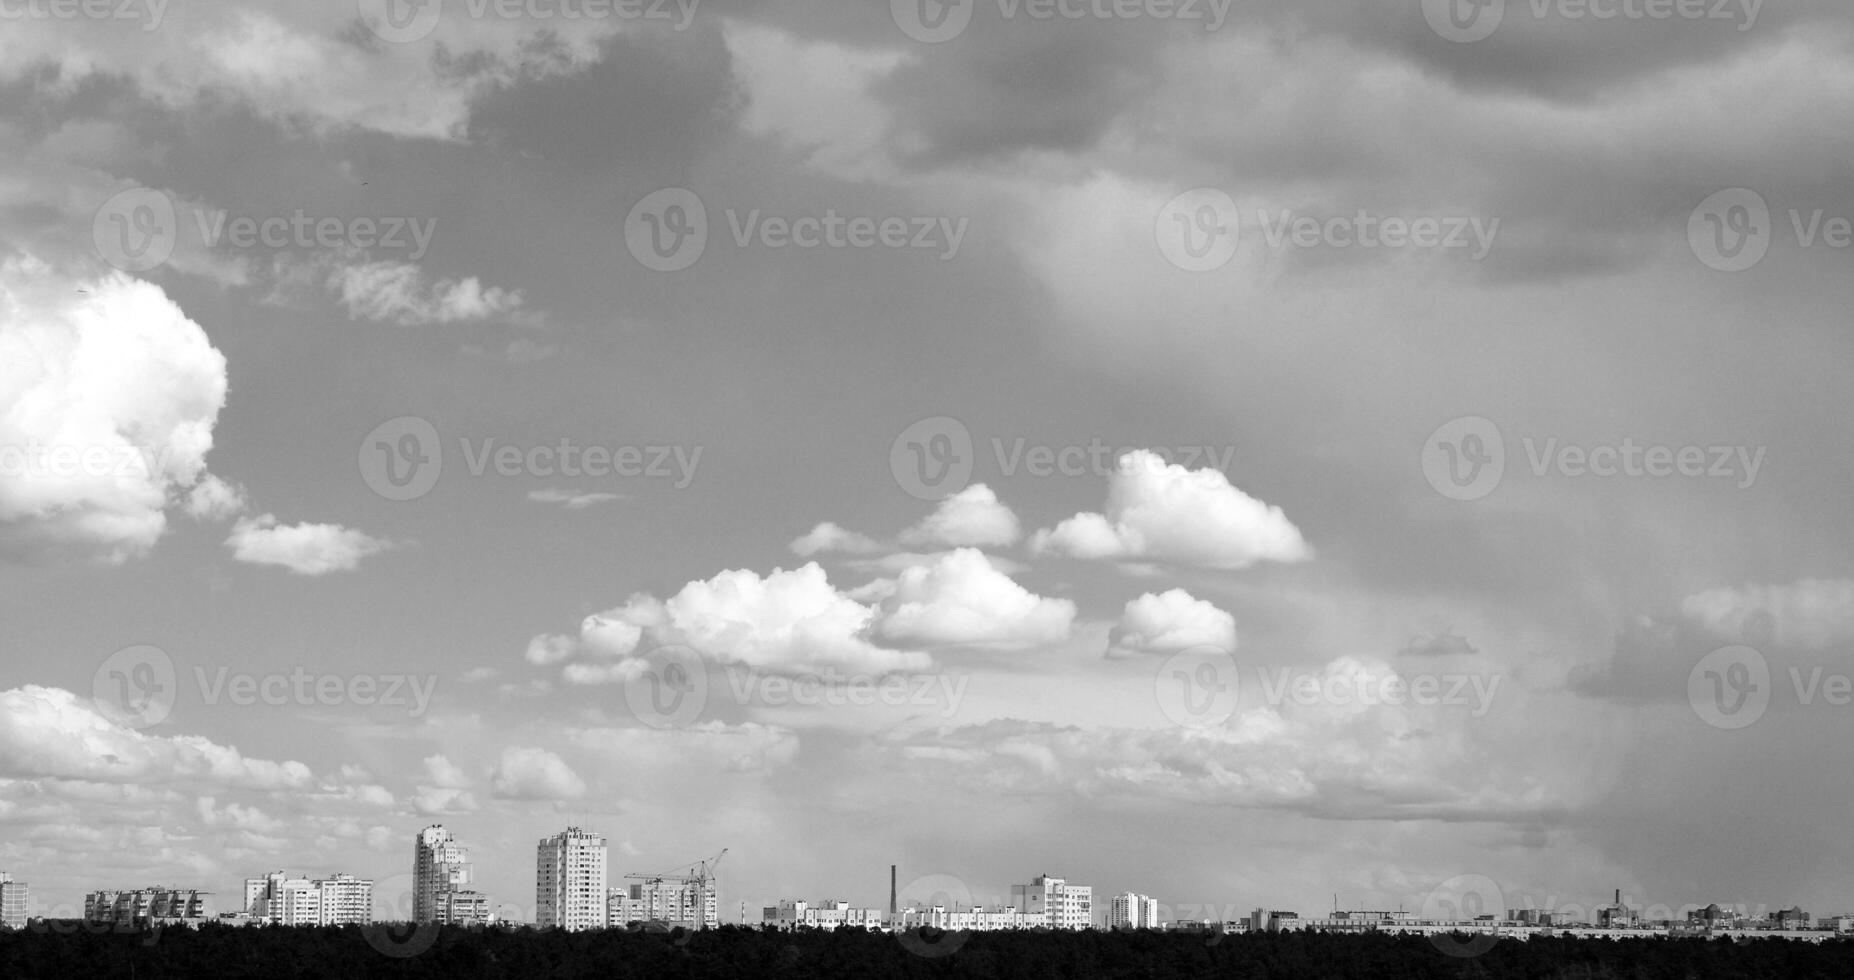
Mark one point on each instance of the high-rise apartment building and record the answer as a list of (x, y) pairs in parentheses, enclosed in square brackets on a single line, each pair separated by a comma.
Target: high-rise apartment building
[(569, 881), (439, 865), (1055, 903), (461, 907), (280, 899), (1131, 910), (15, 902)]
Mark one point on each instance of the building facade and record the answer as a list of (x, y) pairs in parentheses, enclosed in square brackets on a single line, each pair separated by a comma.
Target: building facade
[(279, 899), (141, 906), (1131, 910), (569, 881), (1055, 903), (15, 902), (691, 904), (461, 907), (439, 865), (796, 913)]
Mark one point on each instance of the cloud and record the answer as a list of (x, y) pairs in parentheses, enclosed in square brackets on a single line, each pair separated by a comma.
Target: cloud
[(786, 620), (973, 517), (306, 549), (961, 600), (1160, 512), (398, 293), (571, 500), (51, 732), (829, 537), (534, 774), (108, 399), (1810, 614), (213, 499), (1172, 621)]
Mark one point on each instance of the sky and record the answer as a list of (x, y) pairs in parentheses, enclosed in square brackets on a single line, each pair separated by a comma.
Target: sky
[(1264, 454)]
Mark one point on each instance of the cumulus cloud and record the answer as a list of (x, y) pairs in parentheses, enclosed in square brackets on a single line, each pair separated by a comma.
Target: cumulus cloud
[(571, 500), (973, 517), (400, 293), (213, 499), (1161, 512), (534, 774), (108, 399), (786, 620), (306, 549), (961, 600), (828, 537), (1171, 621), (51, 732)]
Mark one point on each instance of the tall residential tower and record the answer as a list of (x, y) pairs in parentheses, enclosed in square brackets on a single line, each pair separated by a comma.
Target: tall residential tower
[(569, 881)]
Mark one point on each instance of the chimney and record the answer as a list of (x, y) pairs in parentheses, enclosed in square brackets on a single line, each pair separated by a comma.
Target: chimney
[(891, 890), (1618, 898)]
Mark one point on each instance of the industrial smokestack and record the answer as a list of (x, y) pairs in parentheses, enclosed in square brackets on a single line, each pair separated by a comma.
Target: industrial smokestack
[(891, 890), (1618, 898)]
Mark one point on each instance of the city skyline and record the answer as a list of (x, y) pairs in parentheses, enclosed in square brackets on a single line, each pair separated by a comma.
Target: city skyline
[(1294, 448)]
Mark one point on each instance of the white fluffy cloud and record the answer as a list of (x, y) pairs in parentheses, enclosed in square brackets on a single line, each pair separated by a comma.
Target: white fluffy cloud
[(828, 537), (213, 499), (534, 774), (786, 620), (973, 517), (306, 549), (51, 732), (961, 600), (397, 292), (108, 398), (1160, 512), (1171, 621)]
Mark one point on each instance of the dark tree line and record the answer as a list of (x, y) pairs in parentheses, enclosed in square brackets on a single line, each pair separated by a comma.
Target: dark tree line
[(523, 954)]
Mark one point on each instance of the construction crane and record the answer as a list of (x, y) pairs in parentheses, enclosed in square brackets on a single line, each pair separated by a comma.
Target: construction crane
[(702, 882)]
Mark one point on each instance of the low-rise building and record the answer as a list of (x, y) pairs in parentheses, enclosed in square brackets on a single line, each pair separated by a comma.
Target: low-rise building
[(1055, 903), (142, 906), (828, 914)]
